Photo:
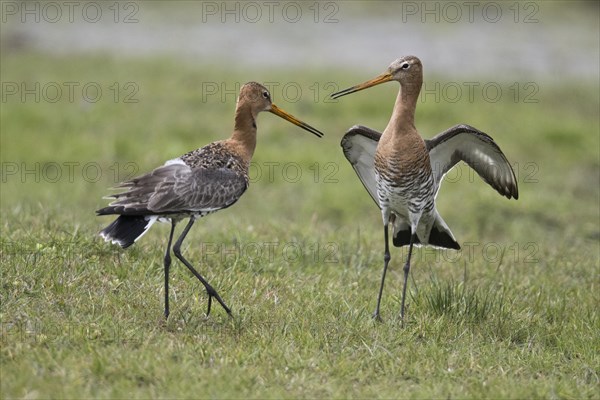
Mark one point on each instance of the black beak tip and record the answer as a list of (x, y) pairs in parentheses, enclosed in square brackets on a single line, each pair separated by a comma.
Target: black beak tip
[(341, 93)]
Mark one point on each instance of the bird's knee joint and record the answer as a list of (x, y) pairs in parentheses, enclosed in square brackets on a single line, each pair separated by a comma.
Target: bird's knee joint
[(387, 257), (210, 291), (177, 251)]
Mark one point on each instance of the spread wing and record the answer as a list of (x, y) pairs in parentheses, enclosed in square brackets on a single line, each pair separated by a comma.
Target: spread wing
[(177, 188), (359, 145), (479, 151)]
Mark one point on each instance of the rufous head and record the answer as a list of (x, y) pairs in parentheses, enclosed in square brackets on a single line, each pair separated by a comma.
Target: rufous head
[(258, 98)]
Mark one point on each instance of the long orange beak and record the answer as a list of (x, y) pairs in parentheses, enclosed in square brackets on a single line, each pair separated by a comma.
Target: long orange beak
[(386, 77), (289, 117)]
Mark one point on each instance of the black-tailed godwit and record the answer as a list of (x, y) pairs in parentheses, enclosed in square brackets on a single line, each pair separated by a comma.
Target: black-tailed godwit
[(402, 172), (194, 185)]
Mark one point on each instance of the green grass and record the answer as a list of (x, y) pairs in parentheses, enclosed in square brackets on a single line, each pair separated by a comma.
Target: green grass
[(513, 315)]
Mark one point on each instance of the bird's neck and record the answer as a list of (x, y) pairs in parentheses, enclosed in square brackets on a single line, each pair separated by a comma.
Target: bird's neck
[(403, 116), (244, 132)]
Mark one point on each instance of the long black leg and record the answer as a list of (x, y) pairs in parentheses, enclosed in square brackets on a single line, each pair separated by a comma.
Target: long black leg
[(386, 261), (406, 269), (209, 289), (167, 264)]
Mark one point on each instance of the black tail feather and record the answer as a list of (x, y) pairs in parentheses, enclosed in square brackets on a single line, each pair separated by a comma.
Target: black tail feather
[(437, 238), (442, 239), (126, 229), (402, 238)]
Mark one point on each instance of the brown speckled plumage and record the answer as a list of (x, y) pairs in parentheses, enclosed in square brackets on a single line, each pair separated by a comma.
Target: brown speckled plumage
[(198, 183), (216, 155)]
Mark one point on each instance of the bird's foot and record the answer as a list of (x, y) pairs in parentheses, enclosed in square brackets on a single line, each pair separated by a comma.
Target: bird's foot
[(213, 293), (377, 316)]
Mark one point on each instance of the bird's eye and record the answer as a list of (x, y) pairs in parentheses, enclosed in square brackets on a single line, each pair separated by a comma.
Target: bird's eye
[(405, 65), (266, 94)]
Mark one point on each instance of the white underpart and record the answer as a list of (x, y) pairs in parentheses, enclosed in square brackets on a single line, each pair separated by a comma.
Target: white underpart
[(151, 220), (175, 161)]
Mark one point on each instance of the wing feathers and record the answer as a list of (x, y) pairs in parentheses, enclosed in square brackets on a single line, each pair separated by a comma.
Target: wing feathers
[(459, 143), (177, 188), (479, 151), (359, 145)]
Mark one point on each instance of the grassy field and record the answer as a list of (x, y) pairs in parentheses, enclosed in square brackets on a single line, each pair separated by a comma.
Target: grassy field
[(298, 259)]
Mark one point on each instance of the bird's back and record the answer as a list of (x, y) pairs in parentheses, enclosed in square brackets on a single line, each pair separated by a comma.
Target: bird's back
[(199, 182), (221, 154)]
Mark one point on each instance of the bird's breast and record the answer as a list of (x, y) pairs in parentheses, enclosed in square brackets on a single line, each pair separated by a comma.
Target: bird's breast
[(404, 180)]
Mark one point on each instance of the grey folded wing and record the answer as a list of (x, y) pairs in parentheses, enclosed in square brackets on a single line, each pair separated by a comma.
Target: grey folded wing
[(177, 188)]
